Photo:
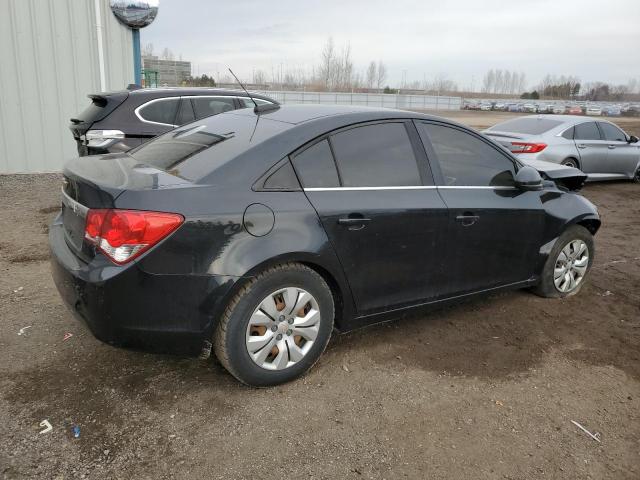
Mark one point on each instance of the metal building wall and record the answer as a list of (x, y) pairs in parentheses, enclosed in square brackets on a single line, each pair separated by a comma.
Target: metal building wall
[(48, 65)]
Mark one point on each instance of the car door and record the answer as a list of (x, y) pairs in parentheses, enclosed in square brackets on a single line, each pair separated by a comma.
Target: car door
[(494, 229), (593, 150), (374, 194), (622, 156)]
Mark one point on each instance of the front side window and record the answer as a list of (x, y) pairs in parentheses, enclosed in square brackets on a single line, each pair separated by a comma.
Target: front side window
[(379, 155), (315, 166), (160, 111), (586, 131), (612, 133), (466, 160), (207, 106)]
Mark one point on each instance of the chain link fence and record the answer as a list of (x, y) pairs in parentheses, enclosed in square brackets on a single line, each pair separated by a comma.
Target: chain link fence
[(406, 102)]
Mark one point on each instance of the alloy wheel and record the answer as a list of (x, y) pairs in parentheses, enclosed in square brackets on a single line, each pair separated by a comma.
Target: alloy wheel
[(283, 328), (571, 266), (570, 163)]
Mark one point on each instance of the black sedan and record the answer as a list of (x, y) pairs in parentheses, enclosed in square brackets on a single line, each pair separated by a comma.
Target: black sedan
[(259, 232)]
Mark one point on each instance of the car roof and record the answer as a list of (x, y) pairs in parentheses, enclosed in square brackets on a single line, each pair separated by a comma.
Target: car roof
[(297, 114), (144, 93)]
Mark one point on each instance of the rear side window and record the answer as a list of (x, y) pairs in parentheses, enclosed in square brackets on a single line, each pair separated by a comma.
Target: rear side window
[(376, 156), (315, 166), (528, 125), (160, 111), (568, 134), (284, 178), (465, 160), (587, 131), (612, 133), (207, 106)]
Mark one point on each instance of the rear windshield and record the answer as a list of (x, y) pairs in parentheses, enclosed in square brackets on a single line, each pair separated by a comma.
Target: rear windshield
[(194, 150), (529, 125), (100, 107)]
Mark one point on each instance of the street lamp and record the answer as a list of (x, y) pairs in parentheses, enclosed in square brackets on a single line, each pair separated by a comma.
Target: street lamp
[(135, 14)]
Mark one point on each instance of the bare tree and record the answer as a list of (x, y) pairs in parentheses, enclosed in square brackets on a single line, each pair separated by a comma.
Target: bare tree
[(372, 73), (327, 64), (259, 77), (382, 75)]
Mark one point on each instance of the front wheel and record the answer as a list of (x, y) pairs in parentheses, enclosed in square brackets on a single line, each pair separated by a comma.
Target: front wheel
[(568, 264), (276, 327)]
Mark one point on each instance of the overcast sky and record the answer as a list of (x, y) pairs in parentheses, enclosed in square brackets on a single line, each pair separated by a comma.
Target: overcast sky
[(593, 39)]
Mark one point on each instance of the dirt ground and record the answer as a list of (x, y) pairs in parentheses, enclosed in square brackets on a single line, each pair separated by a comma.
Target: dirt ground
[(482, 390)]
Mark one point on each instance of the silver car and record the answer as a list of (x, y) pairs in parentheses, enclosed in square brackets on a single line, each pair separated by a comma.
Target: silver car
[(597, 147)]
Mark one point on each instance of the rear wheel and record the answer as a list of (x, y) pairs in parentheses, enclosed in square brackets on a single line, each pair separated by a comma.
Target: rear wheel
[(568, 264), (570, 162), (636, 177), (276, 327)]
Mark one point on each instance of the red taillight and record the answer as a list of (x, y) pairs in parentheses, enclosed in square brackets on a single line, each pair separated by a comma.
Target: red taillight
[(125, 234), (525, 147)]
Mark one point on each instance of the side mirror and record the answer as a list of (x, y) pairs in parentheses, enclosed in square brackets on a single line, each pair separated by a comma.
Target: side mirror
[(633, 139), (528, 179)]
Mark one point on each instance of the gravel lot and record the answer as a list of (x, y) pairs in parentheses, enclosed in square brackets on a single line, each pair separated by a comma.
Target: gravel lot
[(482, 390)]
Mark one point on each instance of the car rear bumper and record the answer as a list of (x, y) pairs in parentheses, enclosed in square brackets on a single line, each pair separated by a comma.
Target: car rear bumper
[(126, 306)]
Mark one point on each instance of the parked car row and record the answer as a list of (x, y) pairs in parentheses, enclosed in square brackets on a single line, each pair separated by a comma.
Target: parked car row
[(555, 108)]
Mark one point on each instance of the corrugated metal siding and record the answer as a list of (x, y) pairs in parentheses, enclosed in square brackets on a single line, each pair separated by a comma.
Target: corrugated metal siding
[(48, 65)]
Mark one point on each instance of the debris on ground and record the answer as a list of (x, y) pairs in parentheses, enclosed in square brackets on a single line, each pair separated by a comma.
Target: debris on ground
[(67, 336), (19, 289), (345, 368), (23, 329), (606, 293), (47, 426), (595, 436), (76, 431)]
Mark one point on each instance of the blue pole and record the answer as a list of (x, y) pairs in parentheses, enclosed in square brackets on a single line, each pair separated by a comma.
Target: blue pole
[(137, 61)]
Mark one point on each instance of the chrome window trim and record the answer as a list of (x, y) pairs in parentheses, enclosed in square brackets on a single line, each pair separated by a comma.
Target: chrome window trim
[(163, 99), (475, 187), (137, 110), (335, 189), (412, 187)]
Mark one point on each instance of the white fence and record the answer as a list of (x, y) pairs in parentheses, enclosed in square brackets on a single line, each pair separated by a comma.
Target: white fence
[(408, 102)]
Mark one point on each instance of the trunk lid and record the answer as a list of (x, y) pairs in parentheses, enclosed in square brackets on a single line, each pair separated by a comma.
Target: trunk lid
[(101, 106), (96, 182)]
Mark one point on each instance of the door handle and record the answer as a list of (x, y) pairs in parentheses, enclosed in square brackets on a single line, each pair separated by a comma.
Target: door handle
[(611, 147), (354, 223), (467, 220), (582, 145)]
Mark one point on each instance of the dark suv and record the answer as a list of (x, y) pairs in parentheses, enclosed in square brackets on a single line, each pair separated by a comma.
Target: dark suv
[(118, 121)]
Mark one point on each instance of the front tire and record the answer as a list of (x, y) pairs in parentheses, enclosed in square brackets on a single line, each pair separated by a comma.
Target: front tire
[(568, 264), (276, 327)]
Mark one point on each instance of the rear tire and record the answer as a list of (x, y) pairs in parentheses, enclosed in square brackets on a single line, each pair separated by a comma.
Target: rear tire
[(289, 309), (571, 162), (559, 277)]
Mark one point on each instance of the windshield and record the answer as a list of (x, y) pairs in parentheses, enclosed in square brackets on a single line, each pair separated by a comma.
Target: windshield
[(528, 125)]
